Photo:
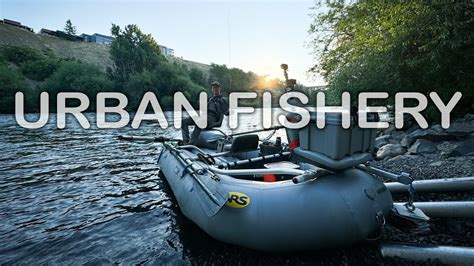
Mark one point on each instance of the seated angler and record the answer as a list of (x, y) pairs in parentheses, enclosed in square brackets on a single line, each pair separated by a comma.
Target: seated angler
[(217, 107)]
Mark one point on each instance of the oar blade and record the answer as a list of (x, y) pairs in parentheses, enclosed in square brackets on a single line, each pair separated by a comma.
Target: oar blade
[(211, 206)]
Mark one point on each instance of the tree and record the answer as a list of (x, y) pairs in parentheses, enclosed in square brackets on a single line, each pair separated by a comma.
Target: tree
[(377, 45), (138, 67), (69, 28), (132, 51)]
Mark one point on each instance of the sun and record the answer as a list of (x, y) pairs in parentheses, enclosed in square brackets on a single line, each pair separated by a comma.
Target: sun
[(268, 78)]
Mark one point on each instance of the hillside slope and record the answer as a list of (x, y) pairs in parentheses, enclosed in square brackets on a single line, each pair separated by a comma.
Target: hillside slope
[(92, 53)]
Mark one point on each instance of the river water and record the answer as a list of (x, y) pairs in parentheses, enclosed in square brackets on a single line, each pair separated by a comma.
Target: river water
[(75, 196)]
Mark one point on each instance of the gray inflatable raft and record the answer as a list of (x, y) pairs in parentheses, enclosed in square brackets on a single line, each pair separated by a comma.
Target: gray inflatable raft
[(224, 193)]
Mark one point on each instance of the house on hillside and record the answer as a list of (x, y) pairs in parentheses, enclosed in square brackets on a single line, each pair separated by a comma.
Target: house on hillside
[(15, 24), (48, 32), (97, 38), (60, 34), (166, 51), (86, 37)]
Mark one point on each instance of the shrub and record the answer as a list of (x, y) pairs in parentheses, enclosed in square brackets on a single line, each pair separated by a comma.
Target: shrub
[(163, 81), (77, 77), (41, 69), (20, 54), (11, 82)]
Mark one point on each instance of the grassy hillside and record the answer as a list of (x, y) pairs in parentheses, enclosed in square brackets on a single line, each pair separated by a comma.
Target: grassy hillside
[(92, 53), (95, 54)]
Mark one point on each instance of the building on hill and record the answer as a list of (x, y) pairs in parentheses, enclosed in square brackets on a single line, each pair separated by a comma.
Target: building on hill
[(86, 37), (48, 32), (15, 24), (65, 36), (166, 51), (97, 38), (60, 34)]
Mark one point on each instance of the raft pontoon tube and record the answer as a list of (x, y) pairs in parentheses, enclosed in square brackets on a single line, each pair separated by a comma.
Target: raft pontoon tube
[(318, 201)]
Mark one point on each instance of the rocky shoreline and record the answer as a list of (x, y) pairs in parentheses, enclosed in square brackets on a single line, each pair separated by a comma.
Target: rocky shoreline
[(429, 153)]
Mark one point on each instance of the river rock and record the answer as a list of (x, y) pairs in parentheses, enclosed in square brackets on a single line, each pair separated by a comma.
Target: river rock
[(397, 135), (460, 129), (390, 150), (422, 146), (381, 141), (428, 134), (438, 128), (437, 163), (464, 149)]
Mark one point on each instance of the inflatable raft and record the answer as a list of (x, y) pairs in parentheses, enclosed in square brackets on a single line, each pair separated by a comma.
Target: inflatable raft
[(276, 197)]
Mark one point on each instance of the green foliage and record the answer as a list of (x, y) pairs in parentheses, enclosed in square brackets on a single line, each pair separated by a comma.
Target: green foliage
[(198, 77), (20, 54), (164, 82), (139, 67), (41, 69), (69, 28), (132, 51), (393, 46), (74, 76), (11, 82)]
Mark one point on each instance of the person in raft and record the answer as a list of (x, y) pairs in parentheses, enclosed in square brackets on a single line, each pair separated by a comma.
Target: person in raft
[(217, 107)]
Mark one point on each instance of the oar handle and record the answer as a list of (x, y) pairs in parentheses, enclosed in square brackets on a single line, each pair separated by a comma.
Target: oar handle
[(309, 175), (257, 130)]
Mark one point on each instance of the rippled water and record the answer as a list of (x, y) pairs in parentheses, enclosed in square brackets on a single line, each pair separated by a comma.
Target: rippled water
[(82, 196)]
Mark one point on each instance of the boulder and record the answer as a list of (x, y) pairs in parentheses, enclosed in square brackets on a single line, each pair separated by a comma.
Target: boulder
[(428, 134), (397, 135), (460, 129), (390, 150), (381, 141), (464, 149), (437, 128), (406, 141), (422, 146)]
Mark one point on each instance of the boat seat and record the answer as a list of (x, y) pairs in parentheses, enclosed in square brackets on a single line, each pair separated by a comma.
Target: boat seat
[(209, 136), (208, 139), (244, 143)]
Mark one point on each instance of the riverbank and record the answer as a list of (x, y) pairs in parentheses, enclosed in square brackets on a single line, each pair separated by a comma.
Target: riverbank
[(430, 153)]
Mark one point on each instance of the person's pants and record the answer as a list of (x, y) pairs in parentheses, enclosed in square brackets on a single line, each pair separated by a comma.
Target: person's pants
[(190, 122)]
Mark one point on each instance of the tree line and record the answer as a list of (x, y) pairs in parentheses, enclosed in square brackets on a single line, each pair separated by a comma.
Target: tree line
[(137, 67)]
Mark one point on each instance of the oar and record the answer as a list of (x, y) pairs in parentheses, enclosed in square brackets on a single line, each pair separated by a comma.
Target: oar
[(257, 130), (164, 139), (142, 138)]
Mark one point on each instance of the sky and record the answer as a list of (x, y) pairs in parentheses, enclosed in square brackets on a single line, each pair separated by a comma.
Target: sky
[(255, 36)]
